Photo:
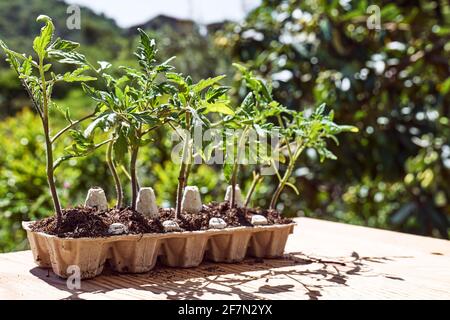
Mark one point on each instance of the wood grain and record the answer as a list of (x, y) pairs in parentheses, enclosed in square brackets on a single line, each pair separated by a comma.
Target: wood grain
[(324, 260)]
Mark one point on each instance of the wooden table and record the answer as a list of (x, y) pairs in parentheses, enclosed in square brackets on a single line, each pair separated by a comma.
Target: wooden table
[(324, 260)]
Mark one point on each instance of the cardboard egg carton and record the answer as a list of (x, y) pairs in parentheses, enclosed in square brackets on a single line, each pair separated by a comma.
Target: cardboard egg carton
[(139, 253)]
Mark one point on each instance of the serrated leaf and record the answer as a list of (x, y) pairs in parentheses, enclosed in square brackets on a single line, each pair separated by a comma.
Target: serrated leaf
[(71, 57), (77, 76), (265, 91), (205, 83), (177, 79), (102, 122), (320, 110), (26, 67), (42, 41), (219, 107), (64, 45), (165, 66), (227, 171), (215, 93), (146, 51)]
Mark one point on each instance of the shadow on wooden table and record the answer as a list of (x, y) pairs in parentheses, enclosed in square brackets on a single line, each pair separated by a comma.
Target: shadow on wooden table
[(250, 279)]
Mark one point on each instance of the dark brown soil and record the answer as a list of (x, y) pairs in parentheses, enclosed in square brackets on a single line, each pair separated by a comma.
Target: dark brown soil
[(88, 222), (235, 217), (77, 222)]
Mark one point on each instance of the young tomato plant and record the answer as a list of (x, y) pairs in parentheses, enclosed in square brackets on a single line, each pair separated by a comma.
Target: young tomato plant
[(132, 106), (299, 132), (251, 117), (38, 79), (194, 101)]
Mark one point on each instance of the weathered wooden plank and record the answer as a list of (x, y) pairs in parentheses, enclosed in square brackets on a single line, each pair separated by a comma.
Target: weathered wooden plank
[(324, 260)]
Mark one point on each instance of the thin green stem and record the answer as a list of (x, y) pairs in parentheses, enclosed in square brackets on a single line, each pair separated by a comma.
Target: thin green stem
[(112, 168), (236, 165), (133, 170), (233, 184), (183, 169), (70, 126), (48, 147), (284, 180), (125, 171), (133, 173), (257, 178)]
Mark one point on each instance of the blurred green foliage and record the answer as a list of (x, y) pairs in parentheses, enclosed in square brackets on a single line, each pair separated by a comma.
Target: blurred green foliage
[(392, 83)]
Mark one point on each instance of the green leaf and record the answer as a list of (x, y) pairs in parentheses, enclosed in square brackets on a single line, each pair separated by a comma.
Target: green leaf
[(26, 68), (77, 76), (72, 57), (248, 102), (324, 153), (320, 110), (177, 79), (146, 51), (64, 45), (144, 118), (265, 91), (227, 171), (215, 93), (120, 147), (219, 107), (240, 67), (67, 115), (204, 83), (444, 87), (47, 67), (103, 121), (165, 66), (42, 41)]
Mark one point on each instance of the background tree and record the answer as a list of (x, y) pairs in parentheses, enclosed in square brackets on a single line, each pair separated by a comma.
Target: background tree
[(391, 82)]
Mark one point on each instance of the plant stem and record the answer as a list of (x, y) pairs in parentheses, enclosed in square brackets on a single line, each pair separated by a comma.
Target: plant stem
[(50, 175), (125, 171), (70, 126), (240, 146), (183, 169), (280, 187), (186, 175), (256, 179), (48, 148), (233, 184), (112, 168), (285, 178), (133, 173)]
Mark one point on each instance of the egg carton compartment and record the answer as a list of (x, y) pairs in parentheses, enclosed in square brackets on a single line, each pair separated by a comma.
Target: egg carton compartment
[(139, 253)]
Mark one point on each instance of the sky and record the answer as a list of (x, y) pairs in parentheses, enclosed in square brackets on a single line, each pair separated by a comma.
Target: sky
[(128, 13)]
